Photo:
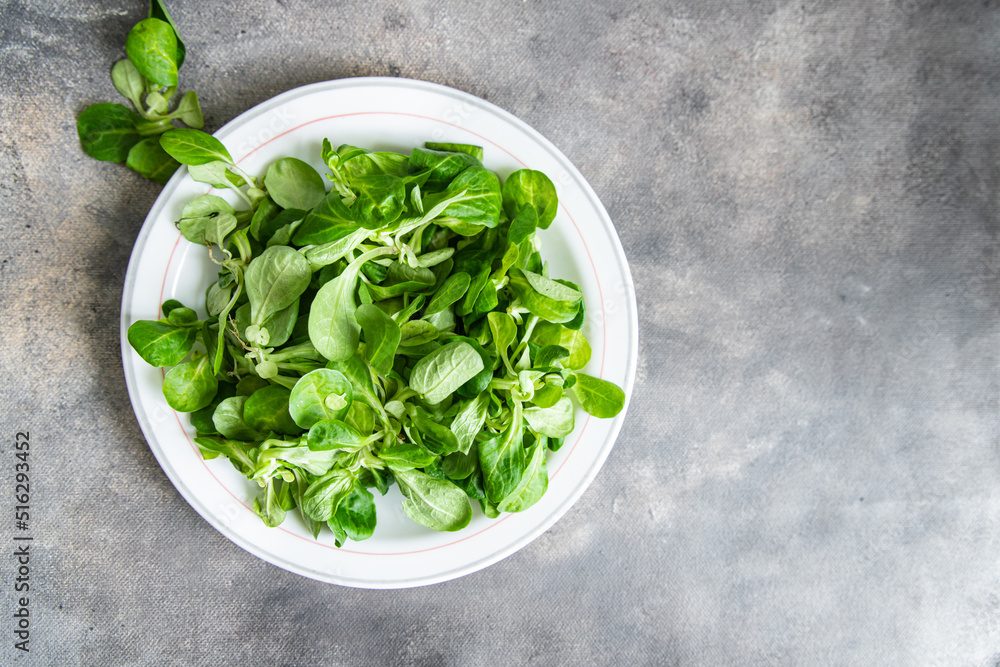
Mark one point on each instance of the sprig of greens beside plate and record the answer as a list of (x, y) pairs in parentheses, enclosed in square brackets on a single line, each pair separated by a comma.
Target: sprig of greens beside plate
[(147, 77)]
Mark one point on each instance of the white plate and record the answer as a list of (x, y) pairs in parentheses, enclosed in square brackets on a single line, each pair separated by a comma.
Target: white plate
[(389, 114)]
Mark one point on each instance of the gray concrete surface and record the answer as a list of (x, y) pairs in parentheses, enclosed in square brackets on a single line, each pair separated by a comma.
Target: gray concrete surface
[(809, 473)]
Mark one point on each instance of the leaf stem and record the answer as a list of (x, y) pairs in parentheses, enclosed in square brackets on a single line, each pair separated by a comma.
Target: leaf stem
[(304, 350), (154, 127), (532, 321)]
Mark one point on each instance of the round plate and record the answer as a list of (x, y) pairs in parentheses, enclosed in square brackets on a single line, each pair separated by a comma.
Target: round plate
[(383, 114)]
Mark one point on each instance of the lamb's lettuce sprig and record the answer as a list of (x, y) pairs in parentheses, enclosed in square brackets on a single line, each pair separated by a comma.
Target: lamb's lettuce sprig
[(147, 79)]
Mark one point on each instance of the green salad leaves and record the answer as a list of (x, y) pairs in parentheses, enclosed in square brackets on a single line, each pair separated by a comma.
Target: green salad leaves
[(401, 328), (147, 78)]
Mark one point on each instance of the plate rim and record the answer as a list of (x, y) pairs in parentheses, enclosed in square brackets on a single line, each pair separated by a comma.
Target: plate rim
[(583, 482)]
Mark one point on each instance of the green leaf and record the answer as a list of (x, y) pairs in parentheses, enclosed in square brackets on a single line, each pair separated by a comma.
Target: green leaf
[(440, 373), (328, 253), (469, 420), (279, 326), (598, 397), (235, 451), (218, 227), (152, 47), (357, 372), (415, 333), (107, 131), (318, 395), (529, 188), (213, 346), (157, 10), (488, 300), (376, 478), (169, 305), (381, 199), (229, 420), (249, 384), (188, 111), (547, 395), (261, 224), (292, 183), (191, 385), (279, 229), (403, 279), (315, 463), (435, 437), (473, 484), (440, 166), (333, 325), (577, 346), (549, 357), (128, 82), (333, 434), (435, 503), (453, 289), (444, 321), (382, 336), (157, 103), (523, 226), (477, 201), (458, 465), (367, 163), (322, 498), (238, 242), (213, 173), (435, 257), (149, 159), (545, 298), (360, 417), (267, 410), (470, 149), (273, 281), (546, 333), (577, 322), (270, 510), (533, 485), (161, 344), (194, 147), (555, 422), (479, 382), (300, 484), (477, 264), (330, 221), (502, 459), (406, 456), (355, 515), (504, 332), (181, 316), (196, 215)]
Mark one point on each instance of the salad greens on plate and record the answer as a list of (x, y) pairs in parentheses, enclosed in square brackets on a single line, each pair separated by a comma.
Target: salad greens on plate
[(399, 328)]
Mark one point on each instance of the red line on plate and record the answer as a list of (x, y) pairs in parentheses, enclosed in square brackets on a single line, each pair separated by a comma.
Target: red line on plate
[(493, 524)]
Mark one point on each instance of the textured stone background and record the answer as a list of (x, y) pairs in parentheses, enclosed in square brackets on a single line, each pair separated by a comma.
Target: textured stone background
[(809, 473)]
